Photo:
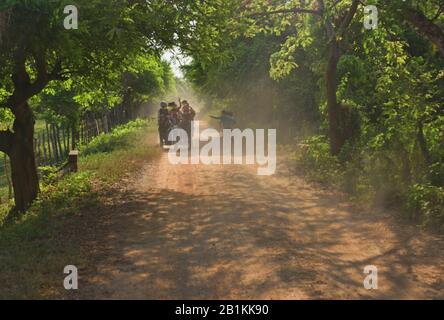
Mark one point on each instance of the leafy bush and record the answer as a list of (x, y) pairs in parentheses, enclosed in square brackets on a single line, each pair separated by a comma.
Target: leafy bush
[(426, 205), (48, 174), (314, 157), (65, 195), (111, 156), (117, 139), (72, 189), (40, 239), (380, 177)]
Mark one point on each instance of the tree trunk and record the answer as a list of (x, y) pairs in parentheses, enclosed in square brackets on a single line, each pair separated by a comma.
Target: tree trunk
[(59, 144), (333, 107), (423, 144), (19, 144), (21, 153), (48, 135), (5, 17), (338, 126), (75, 137), (82, 134), (68, 139), (8, 177), (42, 137), (64, 141), (54, 143)]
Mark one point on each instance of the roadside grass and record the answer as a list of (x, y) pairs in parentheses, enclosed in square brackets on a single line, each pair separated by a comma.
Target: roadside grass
[(35, 248), (111, 156)]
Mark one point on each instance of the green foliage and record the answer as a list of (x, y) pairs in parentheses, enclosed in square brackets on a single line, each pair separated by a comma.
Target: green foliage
[(48, 174), (390, 91), (73, 189), (67, 195), (244, 85), (425, 203), (47, 236), (144, 77), (383, 176), (117, 139), (115, 39), (40, 239), (113, 57), (313, 156)]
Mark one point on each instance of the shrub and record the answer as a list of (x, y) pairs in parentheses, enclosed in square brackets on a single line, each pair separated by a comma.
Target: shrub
[(315, 158), (426, 205), (117, 139)]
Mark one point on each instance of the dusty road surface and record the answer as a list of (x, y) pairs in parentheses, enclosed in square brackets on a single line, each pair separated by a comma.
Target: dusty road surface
[(223, 232)]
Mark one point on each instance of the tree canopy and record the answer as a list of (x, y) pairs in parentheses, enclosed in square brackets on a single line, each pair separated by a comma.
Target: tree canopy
[(364, 79), (374, 96)]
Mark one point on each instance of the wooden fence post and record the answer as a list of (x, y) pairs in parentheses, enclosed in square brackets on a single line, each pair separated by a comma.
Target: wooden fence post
[(65, 148), (8, 178), (73, 160), (68, 140), (105, 124), (36, 155), (75, 135), (97, 126), (48, 135), (82, 141), (59, 145), (54, 143), (42, 137)]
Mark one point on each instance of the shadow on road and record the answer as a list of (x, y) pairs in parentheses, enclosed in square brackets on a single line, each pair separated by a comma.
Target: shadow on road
[(218, 233)]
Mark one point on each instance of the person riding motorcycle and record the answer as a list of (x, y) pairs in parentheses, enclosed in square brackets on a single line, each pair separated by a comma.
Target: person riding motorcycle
[(163, 122), (175, 114), (188, 115)]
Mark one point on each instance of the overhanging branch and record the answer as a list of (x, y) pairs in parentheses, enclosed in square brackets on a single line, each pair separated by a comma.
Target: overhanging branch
[(23, 87), (349, 17)]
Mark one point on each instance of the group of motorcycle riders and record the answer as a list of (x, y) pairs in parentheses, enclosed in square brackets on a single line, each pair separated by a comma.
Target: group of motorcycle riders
[(171, 116)]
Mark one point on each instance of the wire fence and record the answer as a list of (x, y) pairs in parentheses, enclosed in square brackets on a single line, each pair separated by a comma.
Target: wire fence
[(52, 145)]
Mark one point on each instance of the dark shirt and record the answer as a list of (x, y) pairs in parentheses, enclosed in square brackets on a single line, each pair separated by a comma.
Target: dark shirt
[(162, 117), (226, 121)]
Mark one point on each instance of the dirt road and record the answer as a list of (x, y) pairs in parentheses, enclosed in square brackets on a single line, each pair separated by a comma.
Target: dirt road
[(223, 232)]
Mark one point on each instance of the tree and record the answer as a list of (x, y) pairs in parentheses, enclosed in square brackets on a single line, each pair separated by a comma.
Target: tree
[(383, 87), (335, 18), (35, 50), (145, 78), (243, 83), (431, 27)]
